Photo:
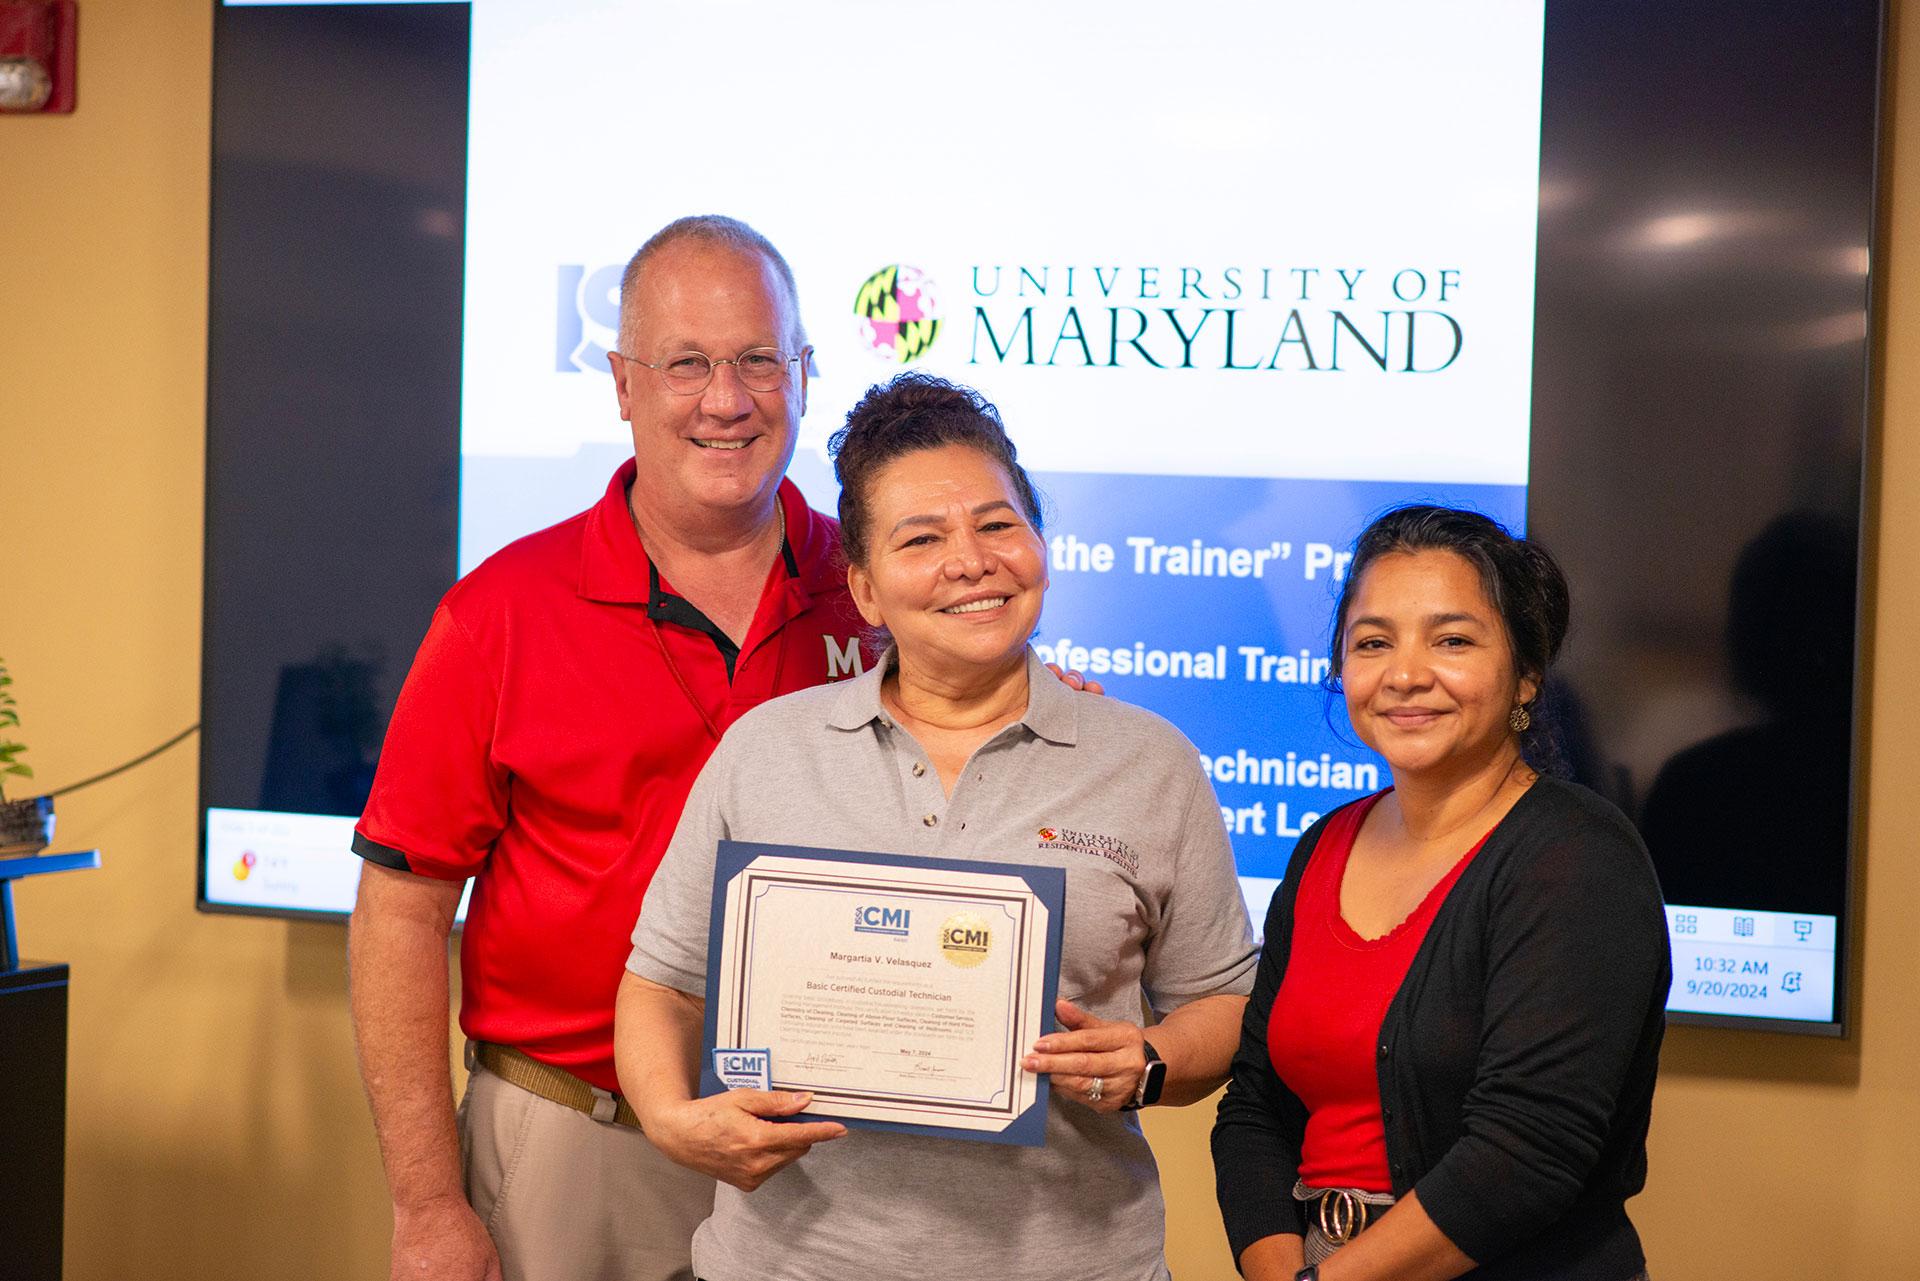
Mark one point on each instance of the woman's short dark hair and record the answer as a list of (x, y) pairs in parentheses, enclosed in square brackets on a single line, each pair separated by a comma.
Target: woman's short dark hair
[(911, 413), (1521, 579)]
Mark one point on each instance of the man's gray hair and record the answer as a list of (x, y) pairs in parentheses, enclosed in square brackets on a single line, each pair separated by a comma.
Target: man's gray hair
[(710, 229)]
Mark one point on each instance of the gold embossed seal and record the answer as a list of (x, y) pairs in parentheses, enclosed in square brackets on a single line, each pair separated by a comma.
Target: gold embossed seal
[(965, 939)]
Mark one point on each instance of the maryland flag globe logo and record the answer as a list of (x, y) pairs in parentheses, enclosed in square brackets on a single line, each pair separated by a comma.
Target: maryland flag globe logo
[(898, 314)]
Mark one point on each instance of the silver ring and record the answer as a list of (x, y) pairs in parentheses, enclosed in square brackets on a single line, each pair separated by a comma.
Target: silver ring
[(1097, 1090)]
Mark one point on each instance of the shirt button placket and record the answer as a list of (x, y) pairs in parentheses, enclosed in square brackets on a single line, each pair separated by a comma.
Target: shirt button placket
[(926, 791)]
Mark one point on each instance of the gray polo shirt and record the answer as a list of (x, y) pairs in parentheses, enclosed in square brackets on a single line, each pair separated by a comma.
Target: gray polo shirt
[(1113, 794)]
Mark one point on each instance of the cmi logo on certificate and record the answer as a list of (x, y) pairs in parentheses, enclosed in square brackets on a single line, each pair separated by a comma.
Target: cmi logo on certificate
[(966, 939), (744, 1069), (895, 922)]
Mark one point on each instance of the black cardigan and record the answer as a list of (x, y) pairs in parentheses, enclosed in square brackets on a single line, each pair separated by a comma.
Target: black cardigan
[(1516, 1062)]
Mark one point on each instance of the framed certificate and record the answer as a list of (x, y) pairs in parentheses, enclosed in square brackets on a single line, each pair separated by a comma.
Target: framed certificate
[(903, 992)]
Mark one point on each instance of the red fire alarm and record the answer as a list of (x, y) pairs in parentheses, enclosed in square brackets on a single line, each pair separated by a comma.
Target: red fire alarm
[(37, 55)]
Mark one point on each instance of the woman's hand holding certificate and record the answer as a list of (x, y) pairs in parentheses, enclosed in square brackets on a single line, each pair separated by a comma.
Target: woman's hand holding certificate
[(739, 1137), (1090, 1049), (732, 1137)]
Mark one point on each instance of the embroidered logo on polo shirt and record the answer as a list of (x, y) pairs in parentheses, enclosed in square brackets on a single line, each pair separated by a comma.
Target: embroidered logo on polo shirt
[(1111, 848)]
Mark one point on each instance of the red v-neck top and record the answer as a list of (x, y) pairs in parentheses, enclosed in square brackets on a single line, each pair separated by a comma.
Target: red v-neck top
[(1327, 1014)]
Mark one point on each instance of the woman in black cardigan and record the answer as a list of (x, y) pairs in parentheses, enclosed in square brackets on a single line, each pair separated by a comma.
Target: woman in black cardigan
[(1478, 955)]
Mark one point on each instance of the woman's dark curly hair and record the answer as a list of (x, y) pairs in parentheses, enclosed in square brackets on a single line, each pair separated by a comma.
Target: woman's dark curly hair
[(1521, 579), (911, 413)]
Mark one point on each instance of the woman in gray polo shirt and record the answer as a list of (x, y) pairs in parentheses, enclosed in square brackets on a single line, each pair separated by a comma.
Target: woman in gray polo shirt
[(958, 744)]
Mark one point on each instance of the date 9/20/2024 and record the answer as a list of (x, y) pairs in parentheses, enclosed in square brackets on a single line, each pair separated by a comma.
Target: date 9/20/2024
[(1729, 978)]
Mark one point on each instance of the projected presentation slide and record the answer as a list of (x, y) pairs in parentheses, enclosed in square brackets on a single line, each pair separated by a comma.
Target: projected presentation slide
[(1237, 283), (1228, 311)]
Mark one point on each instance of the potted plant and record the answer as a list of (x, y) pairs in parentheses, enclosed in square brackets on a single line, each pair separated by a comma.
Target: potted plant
[(26, 827)]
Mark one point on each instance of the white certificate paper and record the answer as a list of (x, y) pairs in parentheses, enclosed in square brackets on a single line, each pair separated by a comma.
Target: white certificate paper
[(903, 992)]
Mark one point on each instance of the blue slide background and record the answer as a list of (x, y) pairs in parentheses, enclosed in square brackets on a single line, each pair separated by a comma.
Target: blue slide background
[(1284, 611)]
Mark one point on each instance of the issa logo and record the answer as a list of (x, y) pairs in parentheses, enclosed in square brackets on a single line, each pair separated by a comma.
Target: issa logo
[(898, 313), (586, 317)]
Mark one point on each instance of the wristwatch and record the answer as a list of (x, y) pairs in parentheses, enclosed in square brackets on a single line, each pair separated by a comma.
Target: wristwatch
[(1308, 1274), (1152, 1080)]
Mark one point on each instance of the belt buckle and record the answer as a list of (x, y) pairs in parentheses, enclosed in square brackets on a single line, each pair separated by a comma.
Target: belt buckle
[(1346, 1218)]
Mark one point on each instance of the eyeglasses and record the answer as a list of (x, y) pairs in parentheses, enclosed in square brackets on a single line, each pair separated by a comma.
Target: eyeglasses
[(689, 372)]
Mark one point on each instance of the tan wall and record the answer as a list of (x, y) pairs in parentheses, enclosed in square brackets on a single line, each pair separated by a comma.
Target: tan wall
[(216, 1123)]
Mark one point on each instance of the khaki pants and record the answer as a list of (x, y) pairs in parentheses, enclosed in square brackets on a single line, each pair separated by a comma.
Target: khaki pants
[(568, 1198)]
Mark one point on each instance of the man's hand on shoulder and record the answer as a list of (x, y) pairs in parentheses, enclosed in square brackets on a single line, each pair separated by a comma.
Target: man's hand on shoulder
[(442, 1240), (1074, 680), (724, 1136)]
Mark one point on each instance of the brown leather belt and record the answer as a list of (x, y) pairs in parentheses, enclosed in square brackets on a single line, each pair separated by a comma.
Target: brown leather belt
[(556, 1085)]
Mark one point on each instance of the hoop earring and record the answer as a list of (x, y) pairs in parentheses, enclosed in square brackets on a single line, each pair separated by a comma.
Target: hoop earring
[(1519, 719)]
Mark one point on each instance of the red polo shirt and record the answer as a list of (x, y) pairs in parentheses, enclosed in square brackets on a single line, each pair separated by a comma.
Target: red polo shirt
[(545, 741)]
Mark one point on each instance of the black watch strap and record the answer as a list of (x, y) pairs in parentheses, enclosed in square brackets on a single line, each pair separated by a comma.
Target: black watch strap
[(1152, 1080)]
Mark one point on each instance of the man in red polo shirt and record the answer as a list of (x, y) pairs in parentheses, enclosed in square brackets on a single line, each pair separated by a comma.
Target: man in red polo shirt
[(566, 695)]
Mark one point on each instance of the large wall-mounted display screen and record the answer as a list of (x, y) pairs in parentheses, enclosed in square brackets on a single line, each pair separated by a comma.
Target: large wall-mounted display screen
[(1237, 282)]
